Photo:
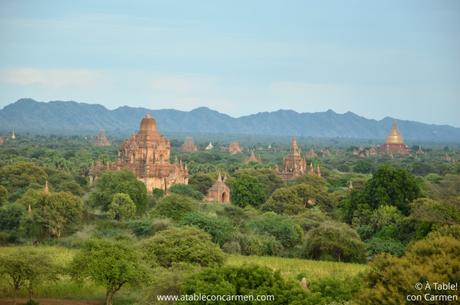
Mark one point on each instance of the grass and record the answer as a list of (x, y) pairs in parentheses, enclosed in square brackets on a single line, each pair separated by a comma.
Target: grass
[(291, 267), (65, 288)]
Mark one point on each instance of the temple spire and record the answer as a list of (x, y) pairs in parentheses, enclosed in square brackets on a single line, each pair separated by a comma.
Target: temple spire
[(46, 189)]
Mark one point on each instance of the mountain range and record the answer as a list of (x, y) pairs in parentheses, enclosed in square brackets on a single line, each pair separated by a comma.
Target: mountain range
[(72, 118)]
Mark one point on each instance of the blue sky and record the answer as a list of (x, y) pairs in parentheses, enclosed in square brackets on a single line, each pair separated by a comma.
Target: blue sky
[(375, 58)]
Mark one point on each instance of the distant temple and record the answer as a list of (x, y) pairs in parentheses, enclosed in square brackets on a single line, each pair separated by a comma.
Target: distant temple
[(189, 146), (447, 158), (253, 158), (365, 152), (219, 192), (146, 155), (2, 141), (394, 143), (325, 153), (419, 151), (293, 164), (209, 147), (234, 148), (101, 139), (311, 154), (313, 172), (13, 135)]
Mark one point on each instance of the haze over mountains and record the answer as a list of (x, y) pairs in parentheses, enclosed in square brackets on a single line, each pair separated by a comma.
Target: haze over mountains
[(71, 118)]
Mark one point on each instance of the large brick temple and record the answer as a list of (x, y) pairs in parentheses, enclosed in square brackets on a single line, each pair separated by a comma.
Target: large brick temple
[(146, 154)]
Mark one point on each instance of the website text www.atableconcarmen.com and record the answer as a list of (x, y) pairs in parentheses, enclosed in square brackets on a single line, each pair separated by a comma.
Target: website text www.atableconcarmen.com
[(216, 297)]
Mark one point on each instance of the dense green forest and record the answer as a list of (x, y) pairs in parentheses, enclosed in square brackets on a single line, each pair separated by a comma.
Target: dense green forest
[(365, 232)]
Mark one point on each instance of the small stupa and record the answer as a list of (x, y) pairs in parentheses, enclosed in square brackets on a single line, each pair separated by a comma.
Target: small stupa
[(253, 158), (209, 147)]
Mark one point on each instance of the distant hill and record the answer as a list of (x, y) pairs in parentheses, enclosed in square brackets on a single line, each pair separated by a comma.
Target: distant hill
[(66, 117)]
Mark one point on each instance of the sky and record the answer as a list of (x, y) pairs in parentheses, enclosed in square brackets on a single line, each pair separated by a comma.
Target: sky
[(398, 58)]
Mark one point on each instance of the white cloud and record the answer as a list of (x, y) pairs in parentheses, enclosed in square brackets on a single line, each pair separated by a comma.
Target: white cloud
[(50, 78)]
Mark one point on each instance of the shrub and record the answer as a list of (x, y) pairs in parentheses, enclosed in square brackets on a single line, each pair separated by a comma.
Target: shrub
[(121, 207), (431, 260), (285, 230), (220, 229), (186, 190), (294, 199), (334, 241), (378, 245), (10, 217), (232, 247), (201, 183), (186, 244), (337, 290), (246, 190), (111, 183), (175, 206), (253, 244), (247, 280)]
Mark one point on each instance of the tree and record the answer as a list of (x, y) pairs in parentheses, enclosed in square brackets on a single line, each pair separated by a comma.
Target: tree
[(392, 186), (3, 195), (431, 211), (111, 183), (334, 241), (17, 177), (247, 280), (111, 264), (266, 177), (186, 244), (281, 227), (297, 198), (363, 167), (201, 182), (10, 217), (247, 190), (57, 213), (27, 267), (186, 190), (431, 260), (221, 230), (175, 206), (121, 207), (388, 186)]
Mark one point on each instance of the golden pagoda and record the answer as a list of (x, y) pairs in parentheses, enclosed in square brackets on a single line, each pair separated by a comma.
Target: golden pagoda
[(394, 143)]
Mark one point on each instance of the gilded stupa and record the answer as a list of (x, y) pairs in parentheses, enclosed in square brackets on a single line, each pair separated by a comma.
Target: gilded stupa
[(394, 143)]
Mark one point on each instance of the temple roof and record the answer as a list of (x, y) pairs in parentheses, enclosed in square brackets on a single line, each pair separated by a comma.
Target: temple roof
[(148, 124)]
